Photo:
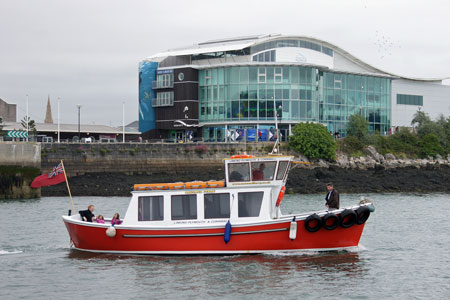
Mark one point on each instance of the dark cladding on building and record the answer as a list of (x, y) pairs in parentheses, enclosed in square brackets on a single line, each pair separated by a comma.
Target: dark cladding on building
[(242, 88)]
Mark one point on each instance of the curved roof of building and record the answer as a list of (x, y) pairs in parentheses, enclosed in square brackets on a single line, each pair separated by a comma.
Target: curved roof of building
[(240, 43)]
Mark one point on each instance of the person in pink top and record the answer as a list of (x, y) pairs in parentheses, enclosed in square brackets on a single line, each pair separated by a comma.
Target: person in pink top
[(116, 219), (100, 219)]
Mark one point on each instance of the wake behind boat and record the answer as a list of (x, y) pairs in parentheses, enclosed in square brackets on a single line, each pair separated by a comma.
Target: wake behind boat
[(238, 215)]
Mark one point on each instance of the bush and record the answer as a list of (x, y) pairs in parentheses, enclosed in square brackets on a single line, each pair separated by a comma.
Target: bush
[(313, 140), (358, 127), (430, 145), (351, 145)]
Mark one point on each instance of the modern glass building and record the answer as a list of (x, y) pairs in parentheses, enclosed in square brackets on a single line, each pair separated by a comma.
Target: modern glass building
[(244, 88)]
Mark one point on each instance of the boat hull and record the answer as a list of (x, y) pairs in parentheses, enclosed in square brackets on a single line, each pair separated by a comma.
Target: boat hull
[(254, 238)]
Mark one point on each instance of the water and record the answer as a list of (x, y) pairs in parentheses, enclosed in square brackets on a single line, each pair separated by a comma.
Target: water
[(403, 254)]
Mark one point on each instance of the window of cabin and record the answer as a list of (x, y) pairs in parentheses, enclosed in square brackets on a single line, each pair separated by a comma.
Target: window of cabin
[(184, 207), (263, 170), (249, 204), (217, 206), (151, 208), (282, 169), (238, 172)]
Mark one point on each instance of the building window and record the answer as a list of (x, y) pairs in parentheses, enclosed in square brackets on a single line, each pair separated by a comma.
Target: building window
[(249, 204), (262, 75), (207, 77), (278, 75), (217, 206), (410, 99), (184, 207), (163, 99), (150, 208), (165, 81)]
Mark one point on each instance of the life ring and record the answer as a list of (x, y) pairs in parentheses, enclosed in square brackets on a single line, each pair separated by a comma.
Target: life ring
[(362, 214), (348, 218), (313, 223), (330, 221), (280, 196), (242, 156)]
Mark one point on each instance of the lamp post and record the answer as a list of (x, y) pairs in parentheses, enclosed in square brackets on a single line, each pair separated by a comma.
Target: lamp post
[(28, 118), (79, 108), (123, 121), (58, 119)]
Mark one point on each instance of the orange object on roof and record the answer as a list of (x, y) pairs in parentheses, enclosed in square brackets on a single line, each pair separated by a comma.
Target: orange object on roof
[(176, 186), (196, 185), (215, 184), (242, 156), (151, 186)]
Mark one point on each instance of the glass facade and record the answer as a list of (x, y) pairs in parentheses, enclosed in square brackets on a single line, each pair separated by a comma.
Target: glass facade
[(344, 95), (250, 94)]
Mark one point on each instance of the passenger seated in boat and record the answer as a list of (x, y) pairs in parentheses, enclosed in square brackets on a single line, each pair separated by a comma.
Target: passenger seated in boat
[(116, 219), (87, 215), (100, 219), (258, 174)]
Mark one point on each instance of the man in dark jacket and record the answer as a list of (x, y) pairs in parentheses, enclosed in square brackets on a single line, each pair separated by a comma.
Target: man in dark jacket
[(332, 198), (87, 215)]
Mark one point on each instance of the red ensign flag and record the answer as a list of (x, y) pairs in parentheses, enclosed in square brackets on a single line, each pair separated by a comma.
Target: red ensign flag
[(55, 177)]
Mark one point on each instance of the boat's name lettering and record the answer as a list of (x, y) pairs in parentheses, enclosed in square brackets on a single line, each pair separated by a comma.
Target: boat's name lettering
[(200, 192)]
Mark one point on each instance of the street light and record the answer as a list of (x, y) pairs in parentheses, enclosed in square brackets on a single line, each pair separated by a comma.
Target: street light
[(79, 108), (28, 118), (58, 119), (123, 120)]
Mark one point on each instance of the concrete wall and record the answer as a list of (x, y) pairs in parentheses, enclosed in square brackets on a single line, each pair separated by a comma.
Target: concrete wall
[(143, 158), (20, 154), (436, 100)]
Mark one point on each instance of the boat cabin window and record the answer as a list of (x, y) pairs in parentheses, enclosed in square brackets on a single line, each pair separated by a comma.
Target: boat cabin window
[(282, 166), (249, 204), (217, 206), (150, 208), (184, 207), (239, 172), (263, 170)]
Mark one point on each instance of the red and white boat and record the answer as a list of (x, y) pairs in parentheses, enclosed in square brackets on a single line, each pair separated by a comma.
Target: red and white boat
[(238, 215)]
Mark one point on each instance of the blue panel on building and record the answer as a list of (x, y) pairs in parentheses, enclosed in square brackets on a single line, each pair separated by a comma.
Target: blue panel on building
[(251, 135), (147, 74)]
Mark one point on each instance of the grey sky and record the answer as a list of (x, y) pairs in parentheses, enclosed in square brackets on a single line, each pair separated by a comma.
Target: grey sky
[(87, 52)]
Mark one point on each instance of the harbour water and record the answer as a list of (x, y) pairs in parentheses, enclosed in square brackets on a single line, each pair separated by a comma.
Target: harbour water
[(404, 253)]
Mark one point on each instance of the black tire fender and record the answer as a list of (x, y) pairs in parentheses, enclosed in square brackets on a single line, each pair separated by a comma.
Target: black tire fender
[(348, 218), (327, 218), (362, 214), (313, 218)]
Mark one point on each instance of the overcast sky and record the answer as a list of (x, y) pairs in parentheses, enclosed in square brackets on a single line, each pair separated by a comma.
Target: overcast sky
[(87, 52)]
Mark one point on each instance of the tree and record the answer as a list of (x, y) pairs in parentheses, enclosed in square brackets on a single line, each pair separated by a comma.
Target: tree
[(430, 145), (31, 125), (313, 140), (425, 126), (358, 127)]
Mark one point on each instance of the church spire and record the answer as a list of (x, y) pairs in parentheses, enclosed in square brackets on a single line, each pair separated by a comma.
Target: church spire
[(48, 113)]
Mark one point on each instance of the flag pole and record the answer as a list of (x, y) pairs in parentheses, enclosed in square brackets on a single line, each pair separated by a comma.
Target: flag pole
[(68, 188)]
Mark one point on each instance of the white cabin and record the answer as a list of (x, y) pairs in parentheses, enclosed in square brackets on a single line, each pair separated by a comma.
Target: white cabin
[(249, 195)]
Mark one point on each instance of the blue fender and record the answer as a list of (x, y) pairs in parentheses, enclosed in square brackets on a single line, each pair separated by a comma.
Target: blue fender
[(227, 234)]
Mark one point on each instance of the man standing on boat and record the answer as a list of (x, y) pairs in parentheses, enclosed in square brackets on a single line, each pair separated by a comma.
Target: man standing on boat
[(332, 198), (87, 215)]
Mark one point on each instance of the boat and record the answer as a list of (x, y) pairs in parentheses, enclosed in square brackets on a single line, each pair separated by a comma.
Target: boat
[(238, 215)]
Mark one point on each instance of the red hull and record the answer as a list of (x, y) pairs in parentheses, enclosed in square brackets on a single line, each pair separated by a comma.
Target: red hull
[(244, 239)]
